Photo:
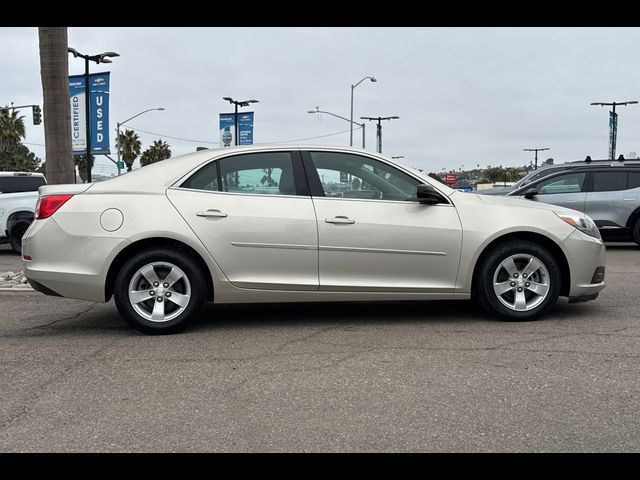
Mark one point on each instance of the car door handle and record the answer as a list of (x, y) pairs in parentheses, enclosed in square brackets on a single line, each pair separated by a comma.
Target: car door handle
[(572, 201), (340, 220), (211, 213)]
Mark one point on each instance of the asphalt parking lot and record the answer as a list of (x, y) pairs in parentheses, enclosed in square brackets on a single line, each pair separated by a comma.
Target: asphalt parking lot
[(420, 376)]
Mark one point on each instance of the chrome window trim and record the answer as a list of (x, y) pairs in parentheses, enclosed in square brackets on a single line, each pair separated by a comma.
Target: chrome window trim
[(268, 195)]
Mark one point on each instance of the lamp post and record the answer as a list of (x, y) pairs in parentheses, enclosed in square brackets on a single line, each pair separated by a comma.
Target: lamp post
[(535, 150), (241, 103), (613, 124), (99, 58), (379, 128), (353, 87), (118, 131), (317, 110)]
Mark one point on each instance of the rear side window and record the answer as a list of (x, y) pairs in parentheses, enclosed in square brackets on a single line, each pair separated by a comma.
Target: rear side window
[(20, 184), (609, 181), (634, 180), (204, 179)]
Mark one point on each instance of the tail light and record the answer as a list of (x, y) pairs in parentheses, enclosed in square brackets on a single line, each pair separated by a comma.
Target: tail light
[(49, 204)]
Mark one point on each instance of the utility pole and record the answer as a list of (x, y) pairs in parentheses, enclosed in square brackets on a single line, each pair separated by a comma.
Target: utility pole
[(613, 124), (379, 127), (240, 103), (535, 150), (353, 87)]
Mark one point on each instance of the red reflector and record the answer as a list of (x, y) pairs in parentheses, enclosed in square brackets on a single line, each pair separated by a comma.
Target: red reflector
[(27, 257), (49, 204)]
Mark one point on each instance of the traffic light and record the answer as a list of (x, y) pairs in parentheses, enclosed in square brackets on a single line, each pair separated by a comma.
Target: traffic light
[(37, 115)]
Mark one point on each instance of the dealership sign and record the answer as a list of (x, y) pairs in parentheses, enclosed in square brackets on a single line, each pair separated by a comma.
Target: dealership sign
[(98, 113), (227, 129), (450, 178)]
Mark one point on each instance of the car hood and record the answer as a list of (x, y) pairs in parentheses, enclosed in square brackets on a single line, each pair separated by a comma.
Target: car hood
[(516, 202)]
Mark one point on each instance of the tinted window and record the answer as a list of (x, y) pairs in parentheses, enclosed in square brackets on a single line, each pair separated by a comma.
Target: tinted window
[(20, 184), (204, 179), (634, 180), (261, 173), (609, 181), (353, 176), (567, 183)]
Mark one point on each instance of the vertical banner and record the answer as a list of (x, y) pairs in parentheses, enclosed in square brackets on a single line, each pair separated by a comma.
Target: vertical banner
[(227, 129), (98, 113), (613, 133)]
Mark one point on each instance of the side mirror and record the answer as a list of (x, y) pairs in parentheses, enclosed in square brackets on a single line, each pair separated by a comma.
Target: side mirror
[(428, 195), (532, 192)]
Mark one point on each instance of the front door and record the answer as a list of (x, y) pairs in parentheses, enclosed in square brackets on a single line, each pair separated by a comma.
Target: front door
[(567, 190), (373, 234), (254, 216)]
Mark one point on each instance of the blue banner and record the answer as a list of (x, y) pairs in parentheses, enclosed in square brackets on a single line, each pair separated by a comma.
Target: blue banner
[(98, 113), (227, 129)]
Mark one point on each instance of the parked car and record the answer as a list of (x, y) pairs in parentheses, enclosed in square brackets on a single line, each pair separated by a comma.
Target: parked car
[(255, 224), (610, 194), (18, 197), (545, 170)]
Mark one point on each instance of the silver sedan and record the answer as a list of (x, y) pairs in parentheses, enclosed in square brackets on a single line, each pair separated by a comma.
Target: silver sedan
[(301, 224)]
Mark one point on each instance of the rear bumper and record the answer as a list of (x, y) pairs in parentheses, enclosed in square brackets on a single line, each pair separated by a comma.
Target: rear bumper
[(67, 265)]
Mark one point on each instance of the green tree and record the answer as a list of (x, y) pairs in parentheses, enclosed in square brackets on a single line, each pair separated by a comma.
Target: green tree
[(54, 75), (19, 160), (81, 162), (129, 144), (159, 150), (11, 129)]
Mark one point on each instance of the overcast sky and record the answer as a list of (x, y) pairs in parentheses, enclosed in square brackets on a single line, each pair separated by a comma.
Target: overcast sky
[(465, 96)]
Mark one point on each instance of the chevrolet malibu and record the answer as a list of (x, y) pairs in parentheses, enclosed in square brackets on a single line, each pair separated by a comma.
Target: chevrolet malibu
[(301, 224)]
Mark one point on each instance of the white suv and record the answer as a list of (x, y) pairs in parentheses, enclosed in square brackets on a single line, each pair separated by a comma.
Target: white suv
[(18, 197)]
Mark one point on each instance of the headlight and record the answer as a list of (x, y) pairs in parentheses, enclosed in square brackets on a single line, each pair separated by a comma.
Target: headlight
[(584, 223)]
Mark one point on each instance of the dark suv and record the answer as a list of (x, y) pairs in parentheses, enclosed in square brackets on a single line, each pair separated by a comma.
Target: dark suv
[(607, 192)]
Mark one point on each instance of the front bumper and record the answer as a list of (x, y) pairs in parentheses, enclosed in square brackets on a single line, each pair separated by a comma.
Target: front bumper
[(584, 254)]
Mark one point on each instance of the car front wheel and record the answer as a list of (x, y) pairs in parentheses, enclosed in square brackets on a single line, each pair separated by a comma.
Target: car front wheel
[(160, 291), (518, 281)]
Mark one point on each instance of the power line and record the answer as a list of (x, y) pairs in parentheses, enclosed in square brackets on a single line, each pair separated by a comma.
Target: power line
[(173, 138), (308, 138)]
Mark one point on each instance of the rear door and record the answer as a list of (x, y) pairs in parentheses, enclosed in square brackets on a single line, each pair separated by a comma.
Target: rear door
[(612, 196), (254, 214)]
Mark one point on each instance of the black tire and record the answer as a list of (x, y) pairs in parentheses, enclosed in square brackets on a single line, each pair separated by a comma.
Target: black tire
[(15, 235), (194, 276), (491, 260), (635, 231)]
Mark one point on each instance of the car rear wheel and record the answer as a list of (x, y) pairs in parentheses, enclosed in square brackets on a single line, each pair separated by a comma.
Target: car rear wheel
[(16, 234), (518, 281), (160, 291), (635, 231)]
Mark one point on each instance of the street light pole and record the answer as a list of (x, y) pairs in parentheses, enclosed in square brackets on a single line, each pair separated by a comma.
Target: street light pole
[(241, 103), (99, 58), (353, 87), (118, 132), (379, 127), (363, 125), (535, 150), (614, 124)]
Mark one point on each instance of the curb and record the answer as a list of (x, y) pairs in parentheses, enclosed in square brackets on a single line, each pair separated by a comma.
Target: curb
[(21, 289)]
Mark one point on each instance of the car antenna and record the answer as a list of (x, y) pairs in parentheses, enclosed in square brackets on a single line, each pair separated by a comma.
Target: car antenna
[(588, 159), (621, 158)]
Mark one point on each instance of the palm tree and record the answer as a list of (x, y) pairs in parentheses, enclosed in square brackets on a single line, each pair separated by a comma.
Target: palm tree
[(54, 73), (159, 150), (11, 130), (129, 144), (81, 162)]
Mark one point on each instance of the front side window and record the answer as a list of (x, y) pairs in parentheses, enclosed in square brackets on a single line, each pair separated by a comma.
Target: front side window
[(344, 175), (568, 183), (268, 173)]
